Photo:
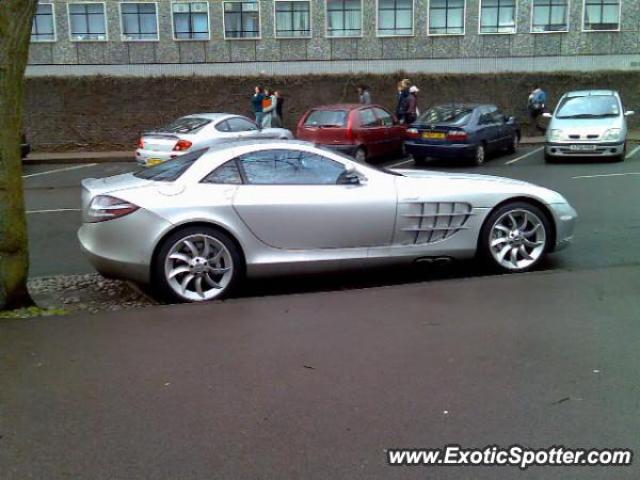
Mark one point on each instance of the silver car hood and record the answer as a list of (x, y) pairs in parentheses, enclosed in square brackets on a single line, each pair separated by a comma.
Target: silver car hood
[(460, 176)]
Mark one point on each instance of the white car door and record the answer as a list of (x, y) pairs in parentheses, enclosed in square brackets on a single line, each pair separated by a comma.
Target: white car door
[(297, 199)]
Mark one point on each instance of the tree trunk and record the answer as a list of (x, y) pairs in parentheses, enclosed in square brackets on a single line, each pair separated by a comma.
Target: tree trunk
[(16, 18)]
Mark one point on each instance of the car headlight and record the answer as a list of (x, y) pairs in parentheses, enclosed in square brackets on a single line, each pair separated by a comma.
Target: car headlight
[(555, 135), (612, 134)]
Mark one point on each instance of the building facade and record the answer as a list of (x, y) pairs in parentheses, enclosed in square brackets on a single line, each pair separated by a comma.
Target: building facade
[(168, 37)]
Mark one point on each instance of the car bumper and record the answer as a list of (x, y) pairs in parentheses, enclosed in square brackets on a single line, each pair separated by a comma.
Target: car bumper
[(346, 149), (565, 219), (152, 157), (610, 149), (123, 247), (451, 150)]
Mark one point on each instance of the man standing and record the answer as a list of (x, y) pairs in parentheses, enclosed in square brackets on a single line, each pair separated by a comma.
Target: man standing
[(412, 110), (256, 103), (363, 94), (536, 105)]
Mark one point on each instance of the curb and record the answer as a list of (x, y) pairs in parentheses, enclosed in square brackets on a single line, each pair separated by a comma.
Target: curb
[(63, 160)]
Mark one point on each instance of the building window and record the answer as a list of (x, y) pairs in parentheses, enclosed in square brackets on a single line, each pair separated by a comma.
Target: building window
[(344, 18), (446, 17), (549, 16), (498, 16), (139, 21), (293, 18), (43, 28), (87, 22), (601, 15), (191, 21), (395, 18), (241, 20)]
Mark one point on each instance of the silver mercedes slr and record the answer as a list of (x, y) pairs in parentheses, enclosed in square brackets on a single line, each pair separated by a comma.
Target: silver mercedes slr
[(195, 226)]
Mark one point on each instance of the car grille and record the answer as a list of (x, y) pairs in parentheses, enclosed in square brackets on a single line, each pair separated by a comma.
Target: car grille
[(429, 222)]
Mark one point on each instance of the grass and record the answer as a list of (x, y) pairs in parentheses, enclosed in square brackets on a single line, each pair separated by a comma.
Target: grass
[(31, 312)]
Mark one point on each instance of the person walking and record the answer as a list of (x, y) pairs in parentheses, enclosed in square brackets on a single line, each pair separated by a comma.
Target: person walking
[(536, 104), (403, 100), (256, 103), (268, 108), (412, 109), (364, 96), (277, 121)]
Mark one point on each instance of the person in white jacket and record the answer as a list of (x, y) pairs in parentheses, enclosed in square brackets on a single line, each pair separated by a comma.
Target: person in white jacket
[(269, 110)]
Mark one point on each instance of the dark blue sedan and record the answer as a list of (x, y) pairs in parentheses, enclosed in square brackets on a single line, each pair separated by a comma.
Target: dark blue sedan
[(461, 131)]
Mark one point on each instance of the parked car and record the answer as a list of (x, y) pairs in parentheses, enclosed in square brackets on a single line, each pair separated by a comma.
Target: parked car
[(194, 226), (361, 131), (461, 131), (25, 147), (589, 123), (197, 131)]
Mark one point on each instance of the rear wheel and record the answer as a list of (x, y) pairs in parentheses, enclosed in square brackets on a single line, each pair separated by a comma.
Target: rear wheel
[(361, 155), (479, 156), (197, 264), (515, 237)]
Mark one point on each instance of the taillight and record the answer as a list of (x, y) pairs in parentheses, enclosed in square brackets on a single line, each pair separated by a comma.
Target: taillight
[(106, 207), (412, 132), (140, 143), (457, 135), (182, 145)]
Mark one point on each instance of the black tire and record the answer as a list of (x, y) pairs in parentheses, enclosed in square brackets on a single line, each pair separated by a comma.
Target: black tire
[(480, 155), (622, 156), (550, 158), (485, 254), (160, 283), (419, 159), (361, 155)]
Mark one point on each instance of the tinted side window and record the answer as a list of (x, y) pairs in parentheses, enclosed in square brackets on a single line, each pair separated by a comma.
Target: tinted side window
[(227, 174), (289, 167), (238, 124), (368, 118), (384, 116), (223, 126)]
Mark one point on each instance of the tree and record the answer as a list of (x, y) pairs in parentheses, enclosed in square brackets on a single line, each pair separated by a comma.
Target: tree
[(16, 17)]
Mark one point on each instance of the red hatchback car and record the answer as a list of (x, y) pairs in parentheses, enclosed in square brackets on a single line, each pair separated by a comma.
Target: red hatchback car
[(362, 131)]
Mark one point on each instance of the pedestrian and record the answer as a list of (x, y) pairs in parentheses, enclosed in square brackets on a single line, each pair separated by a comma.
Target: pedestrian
[(279, 122), (412, 110), (268, 108), (256, 103), (403, 100), (536, 104), (364, 96)]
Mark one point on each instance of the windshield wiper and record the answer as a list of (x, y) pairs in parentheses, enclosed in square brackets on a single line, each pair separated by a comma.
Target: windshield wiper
[(588, 115)]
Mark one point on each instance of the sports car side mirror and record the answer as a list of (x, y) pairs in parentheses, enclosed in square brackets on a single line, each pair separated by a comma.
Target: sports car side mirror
[(547, 115), (351, 176)]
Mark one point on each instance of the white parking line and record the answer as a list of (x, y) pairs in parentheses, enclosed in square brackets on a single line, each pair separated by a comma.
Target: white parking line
[(606, 175), (66, 169), (632, 152), (393, 165), (55, 210), (524, 156)]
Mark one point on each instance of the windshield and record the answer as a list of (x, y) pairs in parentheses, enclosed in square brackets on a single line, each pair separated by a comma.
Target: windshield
[(592, 106), (186, 125), (451, 114), (170, 170), (326, 118)]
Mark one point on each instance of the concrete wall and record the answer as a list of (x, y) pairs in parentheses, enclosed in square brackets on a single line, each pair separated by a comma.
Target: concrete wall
[(321, 48)]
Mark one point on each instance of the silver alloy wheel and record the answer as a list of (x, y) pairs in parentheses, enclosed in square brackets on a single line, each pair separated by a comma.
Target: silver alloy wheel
[(198, 267), (480, 155), (517, 239), (361, 156)]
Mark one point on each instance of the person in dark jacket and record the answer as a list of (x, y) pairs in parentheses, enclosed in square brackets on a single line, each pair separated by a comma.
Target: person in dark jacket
[(256, 103), (279, 103), (403, 100)]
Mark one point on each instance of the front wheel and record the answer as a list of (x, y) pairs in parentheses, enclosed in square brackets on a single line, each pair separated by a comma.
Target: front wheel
[(197, 264), (515, 237)]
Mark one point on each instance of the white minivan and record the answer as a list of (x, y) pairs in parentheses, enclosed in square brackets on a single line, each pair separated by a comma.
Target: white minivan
[(587, 123)]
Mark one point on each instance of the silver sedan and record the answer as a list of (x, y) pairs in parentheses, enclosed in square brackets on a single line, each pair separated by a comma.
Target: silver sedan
[(195, 226), (194, 132)]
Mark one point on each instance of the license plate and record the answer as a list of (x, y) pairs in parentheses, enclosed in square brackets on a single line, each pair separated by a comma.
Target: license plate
[(582, 148), (434, 135), (153, 161)]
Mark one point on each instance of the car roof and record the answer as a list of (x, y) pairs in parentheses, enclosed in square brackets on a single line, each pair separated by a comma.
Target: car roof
[(464, 105), (212, 116), (587, 93), (346, 106)]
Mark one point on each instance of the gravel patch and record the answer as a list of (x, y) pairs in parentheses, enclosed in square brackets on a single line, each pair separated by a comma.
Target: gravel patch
[(87, 293)]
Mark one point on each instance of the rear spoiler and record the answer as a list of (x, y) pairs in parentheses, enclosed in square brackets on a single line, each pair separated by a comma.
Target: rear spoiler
[(156, 134)]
